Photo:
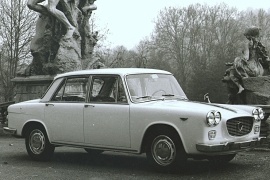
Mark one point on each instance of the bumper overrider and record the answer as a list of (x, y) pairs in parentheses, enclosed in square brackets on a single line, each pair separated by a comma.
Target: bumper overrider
[(8, 130), (231, 146)]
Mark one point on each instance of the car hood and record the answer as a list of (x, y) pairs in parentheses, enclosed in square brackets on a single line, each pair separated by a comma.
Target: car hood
[(203, 107)]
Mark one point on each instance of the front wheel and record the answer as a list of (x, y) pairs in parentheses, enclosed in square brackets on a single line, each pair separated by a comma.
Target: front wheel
[(165, 150), (37, 144)]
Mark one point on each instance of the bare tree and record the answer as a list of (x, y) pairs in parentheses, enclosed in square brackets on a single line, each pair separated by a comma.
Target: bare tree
[(142, 54), (17, 28), (197, 41), (118, 57), (169, 36)]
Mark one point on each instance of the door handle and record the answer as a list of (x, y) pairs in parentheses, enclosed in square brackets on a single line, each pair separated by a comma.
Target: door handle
[(88, 105), (49, 104)]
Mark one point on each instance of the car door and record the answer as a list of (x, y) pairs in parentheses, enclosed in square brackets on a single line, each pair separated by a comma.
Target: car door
[(106, 116), (64, 112)]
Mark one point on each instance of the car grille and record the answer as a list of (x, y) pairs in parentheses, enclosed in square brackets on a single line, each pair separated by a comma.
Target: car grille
[(239, 126)]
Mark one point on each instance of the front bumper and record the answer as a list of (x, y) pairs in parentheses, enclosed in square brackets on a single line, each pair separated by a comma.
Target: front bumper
[(8, 130), (231, 146)]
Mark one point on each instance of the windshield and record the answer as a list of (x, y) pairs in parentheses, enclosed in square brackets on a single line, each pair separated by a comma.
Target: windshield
[(145, 87)]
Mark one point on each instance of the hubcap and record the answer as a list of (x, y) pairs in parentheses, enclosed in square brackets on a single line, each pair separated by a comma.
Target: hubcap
[(37, 141), (163, 150)]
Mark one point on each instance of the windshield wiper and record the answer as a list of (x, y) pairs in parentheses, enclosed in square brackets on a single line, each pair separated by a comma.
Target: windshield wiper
[(168, 95), (172, 95), (143, 97)]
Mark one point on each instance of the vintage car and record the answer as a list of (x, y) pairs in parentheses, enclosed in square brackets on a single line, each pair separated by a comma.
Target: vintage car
[(136, 111)]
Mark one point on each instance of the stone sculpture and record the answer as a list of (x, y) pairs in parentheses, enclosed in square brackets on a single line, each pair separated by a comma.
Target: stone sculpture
[(253, 62), (63, 41), (51, 8), (248, 79)]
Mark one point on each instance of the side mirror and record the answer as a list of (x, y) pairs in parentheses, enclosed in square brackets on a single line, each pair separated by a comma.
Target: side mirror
[(206, 98)]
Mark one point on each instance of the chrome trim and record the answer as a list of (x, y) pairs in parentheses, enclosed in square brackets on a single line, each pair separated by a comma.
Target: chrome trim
[(231, 146), (8, 130), (95, 147)]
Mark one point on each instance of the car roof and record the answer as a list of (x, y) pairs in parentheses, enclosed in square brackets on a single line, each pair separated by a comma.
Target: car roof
[(114, 71)]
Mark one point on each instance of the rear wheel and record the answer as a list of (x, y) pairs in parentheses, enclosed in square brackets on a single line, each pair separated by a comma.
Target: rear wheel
[(165, 150), (37, 144)]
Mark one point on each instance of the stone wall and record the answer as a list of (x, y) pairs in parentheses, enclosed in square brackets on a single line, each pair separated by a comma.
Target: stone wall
[(32, 87), (257, 90)]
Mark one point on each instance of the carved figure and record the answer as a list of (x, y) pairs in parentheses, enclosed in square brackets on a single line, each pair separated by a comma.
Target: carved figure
[(252, 62), (89, 6), (34, 5), (51, 8)]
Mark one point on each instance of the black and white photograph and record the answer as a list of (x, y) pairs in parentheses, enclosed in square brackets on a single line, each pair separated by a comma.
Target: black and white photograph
[(127, 90)]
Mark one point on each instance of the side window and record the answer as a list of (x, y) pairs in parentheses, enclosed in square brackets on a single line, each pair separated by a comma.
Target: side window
[(72, 90), (107, 89)]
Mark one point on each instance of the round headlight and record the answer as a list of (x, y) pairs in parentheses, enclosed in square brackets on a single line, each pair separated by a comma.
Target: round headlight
[(255, 114), (210, 118), (217, 117), (261, 113)]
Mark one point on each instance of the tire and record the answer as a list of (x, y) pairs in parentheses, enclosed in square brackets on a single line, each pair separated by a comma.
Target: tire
[(165, 150), (93, 152), (37, 144), (221, 159)]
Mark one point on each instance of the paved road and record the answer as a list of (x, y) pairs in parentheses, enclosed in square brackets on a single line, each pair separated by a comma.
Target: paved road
[(73, 163)]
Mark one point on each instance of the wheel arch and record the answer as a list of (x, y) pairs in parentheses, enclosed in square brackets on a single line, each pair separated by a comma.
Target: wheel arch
[(33, 123), (156, 127)]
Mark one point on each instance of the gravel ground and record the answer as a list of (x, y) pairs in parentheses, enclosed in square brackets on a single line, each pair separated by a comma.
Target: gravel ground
[(72, 163)]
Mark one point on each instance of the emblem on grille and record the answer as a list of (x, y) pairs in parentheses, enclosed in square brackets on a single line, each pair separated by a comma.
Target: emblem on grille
[(240, 126)]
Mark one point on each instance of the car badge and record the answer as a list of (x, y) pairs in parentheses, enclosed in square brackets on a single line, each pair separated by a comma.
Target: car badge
[(240, 126)]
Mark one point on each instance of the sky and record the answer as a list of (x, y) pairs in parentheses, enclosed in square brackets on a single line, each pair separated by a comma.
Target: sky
[(131, 21)]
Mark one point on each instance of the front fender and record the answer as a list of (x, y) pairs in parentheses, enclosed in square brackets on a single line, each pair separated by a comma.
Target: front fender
[(154, 126), (30, 123)]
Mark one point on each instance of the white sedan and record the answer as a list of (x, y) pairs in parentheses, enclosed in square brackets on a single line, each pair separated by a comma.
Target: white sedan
[(132, 110)]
